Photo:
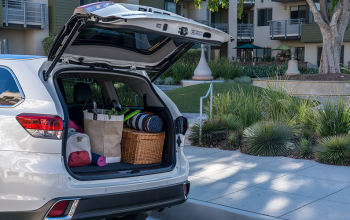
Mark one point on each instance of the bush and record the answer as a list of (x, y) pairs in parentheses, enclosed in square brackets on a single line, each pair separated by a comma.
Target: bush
[(244, 80), (333, 118), (304, 148), (334, 150), (267, 139), (213, 132), (233, 141), (230, 121), (159, 81), (169, 81), (47, 44), (179, 71), (246, 106), (224, 68), (268, 70)]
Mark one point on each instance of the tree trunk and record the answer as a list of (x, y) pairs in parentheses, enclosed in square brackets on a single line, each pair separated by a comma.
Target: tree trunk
[(330, 57), (332, 32)]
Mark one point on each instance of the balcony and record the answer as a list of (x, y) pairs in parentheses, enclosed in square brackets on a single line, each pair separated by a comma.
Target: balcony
[(221, 26), (245, 32), (247, 3), (286, 29), (24, 14)]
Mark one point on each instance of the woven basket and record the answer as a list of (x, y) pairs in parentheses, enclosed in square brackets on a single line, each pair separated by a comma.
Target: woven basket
[(139, 147)]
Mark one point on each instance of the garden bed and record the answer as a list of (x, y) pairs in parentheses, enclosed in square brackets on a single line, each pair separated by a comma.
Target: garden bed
[(273, 123), (315, 77), (310, 85)]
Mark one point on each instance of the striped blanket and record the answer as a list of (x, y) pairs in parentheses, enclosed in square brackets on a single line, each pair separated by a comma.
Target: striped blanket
[(146, 122)]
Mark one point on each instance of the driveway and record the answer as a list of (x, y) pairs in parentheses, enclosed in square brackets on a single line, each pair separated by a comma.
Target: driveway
[(261, 188)]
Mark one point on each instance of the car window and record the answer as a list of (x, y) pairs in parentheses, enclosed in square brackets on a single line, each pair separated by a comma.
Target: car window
[(9, 91), (68, 85), (138, 42), (127, 96)]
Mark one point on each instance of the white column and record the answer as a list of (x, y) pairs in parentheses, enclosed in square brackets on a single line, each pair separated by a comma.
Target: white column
[(232, 28)]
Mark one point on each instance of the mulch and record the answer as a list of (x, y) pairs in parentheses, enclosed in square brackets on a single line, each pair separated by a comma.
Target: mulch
[(315, 77)]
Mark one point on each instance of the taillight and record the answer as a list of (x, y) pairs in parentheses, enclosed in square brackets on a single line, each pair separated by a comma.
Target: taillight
[(186, 189), (58, 209), (94, 6), (42, 126)]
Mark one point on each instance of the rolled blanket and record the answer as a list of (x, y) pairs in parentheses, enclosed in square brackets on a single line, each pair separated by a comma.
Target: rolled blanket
[(98, 160), (146, 122)]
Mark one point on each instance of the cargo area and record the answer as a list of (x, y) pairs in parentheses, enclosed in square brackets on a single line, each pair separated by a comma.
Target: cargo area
[(130, 92)]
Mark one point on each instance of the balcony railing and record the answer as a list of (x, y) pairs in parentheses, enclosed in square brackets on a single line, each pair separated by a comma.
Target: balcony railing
[(248, 1), (245, 31), (201, 21), (24, 13), (221, 26), (286, 28)]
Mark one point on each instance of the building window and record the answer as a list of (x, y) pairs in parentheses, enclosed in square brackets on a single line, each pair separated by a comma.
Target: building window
[(311, 16), (3, 46), (264, 16), (170, 6), (215, 17), (319, 53), (299, 53), (297, 12)]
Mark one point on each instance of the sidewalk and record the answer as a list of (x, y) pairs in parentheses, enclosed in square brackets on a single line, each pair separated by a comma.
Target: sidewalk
[(252, 187)]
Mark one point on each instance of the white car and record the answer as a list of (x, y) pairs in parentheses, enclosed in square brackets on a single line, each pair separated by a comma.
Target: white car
[(103, 52)]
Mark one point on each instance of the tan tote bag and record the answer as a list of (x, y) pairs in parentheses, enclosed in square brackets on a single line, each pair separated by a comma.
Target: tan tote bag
[(105, 133)]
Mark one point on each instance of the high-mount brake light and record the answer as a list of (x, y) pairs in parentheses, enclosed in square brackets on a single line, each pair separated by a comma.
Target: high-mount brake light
[(42, 126), (93, 6)]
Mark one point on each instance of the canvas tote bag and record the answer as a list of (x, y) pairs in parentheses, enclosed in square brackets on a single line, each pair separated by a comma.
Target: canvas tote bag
[(105, 134)]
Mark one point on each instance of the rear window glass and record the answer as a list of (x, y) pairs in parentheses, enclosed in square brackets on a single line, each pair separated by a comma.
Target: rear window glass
[(9, 92), (143, 43), (127, 97)]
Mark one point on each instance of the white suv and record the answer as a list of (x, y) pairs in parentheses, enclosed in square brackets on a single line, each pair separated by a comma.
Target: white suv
[(103, 52)]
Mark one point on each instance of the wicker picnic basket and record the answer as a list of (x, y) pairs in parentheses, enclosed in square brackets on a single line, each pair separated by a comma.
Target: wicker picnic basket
[(139, 147)]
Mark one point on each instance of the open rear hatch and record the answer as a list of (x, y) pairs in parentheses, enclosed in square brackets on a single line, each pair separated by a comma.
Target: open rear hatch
[(111, 37)]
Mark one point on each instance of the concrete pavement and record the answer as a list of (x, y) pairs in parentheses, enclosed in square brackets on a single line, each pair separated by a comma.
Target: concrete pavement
[(232, 185)]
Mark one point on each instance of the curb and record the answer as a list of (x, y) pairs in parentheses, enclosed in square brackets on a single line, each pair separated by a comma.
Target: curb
[(194, 209)]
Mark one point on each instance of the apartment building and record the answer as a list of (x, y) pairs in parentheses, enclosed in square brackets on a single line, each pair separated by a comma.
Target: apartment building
[(25, 23), (265, 24)]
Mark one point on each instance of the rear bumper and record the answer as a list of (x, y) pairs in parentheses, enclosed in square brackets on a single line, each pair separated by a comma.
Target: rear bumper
[(112, 205)]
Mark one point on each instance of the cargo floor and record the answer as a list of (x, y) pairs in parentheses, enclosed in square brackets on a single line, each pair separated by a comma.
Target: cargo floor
[(111, 167)]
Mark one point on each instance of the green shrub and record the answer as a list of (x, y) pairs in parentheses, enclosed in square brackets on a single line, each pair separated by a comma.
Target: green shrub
[(169, 81), (344, 69), (267, 138), (179, 71), (333, 118), (159, 81), (307, 70), (246, 106), (213, 132), (244, 80), (230, 121), (47, 43), (223, 68), (334, 150), (304, 148), (233, 141)]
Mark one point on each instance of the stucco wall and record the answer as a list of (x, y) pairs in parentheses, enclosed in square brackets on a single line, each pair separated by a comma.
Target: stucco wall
[(262, 33), (311, 52)]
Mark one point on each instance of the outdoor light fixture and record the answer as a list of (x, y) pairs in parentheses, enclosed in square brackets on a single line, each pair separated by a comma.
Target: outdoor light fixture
[(285, 7)]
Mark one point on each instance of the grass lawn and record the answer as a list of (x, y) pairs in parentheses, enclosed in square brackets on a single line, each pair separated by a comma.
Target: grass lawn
[(187, 98)]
